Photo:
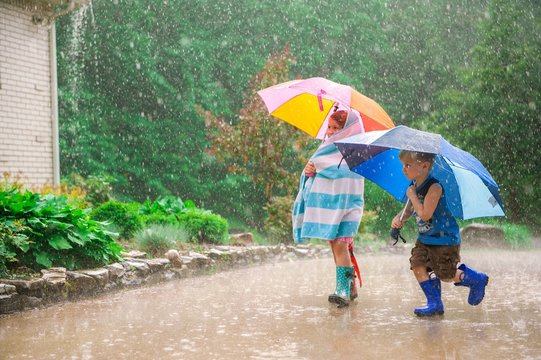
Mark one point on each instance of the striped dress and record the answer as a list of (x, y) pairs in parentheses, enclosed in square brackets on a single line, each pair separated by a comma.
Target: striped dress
[(329, 205)]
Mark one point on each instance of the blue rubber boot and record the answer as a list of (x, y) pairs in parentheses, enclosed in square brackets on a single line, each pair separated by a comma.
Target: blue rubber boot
[(434, 305), (342, 294), (476, 281)]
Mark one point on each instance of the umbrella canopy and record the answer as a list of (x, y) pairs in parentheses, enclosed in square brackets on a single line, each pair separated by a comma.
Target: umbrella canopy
[(469, 189), (306, 104)]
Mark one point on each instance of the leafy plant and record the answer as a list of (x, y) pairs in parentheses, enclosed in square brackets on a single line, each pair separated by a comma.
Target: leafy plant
[(58, 233), (166, 205), (11, 239), (517, 235), (204, 226), (125, 220)]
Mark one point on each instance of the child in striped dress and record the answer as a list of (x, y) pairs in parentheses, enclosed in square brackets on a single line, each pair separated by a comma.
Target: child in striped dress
[(329, 204)]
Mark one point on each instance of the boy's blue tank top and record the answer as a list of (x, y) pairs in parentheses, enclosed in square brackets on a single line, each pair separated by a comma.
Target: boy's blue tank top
[(442, 228)]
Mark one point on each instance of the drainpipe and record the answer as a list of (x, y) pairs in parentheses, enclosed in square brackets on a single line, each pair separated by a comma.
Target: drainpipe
[(54, 104)]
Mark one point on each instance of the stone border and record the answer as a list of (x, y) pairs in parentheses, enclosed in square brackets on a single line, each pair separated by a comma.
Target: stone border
[(58, 285)]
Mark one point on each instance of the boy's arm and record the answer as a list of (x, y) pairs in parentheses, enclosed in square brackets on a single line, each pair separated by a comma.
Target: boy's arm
[(426, 209)]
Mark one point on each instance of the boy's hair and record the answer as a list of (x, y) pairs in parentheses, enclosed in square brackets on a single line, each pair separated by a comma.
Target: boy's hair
[(417, 155), (340, 117)]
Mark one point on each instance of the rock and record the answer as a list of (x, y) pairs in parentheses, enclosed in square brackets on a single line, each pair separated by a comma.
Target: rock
[(483, 235), (134, 254), (242, 239), (139, 266), (301, 252), (80, 283), (6, 289), (56, 275), (11, 303), (101, 275), (218, 254), (174, 258), (116, 271)]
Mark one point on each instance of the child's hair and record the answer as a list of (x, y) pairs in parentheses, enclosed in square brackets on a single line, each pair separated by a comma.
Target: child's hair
[(340, 117), (416, 155)]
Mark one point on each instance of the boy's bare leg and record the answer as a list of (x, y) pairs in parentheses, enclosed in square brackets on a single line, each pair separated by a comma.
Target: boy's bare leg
[(420, 272)]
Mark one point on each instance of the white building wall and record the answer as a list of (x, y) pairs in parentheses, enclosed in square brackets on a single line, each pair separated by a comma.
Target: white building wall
[(26, 105)]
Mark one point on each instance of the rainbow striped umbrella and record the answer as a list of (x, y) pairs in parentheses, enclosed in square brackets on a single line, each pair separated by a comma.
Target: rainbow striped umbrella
[(307, 103)]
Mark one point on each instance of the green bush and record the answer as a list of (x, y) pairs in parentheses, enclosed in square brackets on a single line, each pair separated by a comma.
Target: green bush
[(124, 218), (278, 223), (41, 231), (11, 238), (204, 226), (157, 239), (166, 205), (160, 219), (517, 235)]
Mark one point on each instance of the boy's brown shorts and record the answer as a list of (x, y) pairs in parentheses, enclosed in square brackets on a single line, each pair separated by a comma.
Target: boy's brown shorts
[(438, 258)]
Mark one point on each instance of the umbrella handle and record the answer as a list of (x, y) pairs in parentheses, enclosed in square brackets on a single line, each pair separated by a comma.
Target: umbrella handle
[(404, 210), (407, 202)]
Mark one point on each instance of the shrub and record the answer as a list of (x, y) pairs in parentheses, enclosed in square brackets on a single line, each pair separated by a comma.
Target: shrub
[(166, 205), (58, 233), (517, 235), (11, 238), (278, 224), (204, 226), (160, 219), (124, 218), (157, 239)]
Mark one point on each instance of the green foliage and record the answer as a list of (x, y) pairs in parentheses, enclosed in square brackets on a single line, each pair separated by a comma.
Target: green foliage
[(160, 219), (497, 114), (131, 76), (166, 205), (278, 226), (518, 236), (204, 226), (201, 225), (98, 189), (123, 218), (158, 239), (11, 239), (45, 230)]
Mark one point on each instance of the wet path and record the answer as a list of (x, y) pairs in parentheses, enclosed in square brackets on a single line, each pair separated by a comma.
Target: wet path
[(281, 312)]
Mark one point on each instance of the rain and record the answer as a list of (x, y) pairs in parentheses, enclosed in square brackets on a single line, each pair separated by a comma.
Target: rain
[(159, 98)]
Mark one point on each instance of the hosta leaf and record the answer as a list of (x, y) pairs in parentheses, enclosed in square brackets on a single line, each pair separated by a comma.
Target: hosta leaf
[(58, 242)]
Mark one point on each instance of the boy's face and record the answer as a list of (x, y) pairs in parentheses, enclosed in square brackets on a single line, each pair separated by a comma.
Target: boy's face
[(414, 168)]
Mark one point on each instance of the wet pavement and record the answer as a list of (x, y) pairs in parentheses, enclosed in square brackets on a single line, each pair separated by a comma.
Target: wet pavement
[(281, 311)]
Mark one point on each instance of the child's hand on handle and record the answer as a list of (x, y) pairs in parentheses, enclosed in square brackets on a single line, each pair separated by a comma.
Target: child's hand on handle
[(397, 223), (310, 169)]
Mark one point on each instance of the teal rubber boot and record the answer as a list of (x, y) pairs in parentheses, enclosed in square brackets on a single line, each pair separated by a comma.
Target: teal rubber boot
[(434, 305), (344, 280), (476, 281)]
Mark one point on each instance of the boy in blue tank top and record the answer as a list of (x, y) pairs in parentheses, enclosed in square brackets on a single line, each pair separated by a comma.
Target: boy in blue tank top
[(437, 249)]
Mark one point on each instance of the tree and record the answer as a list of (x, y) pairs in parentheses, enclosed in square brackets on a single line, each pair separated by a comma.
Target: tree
[(497, 115), (258, 146)]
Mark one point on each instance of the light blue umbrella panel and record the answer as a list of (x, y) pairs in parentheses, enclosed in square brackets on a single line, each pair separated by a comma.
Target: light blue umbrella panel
[(469, 189)]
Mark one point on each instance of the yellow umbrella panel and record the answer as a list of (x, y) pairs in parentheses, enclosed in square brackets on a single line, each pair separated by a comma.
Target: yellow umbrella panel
[(303, 111)]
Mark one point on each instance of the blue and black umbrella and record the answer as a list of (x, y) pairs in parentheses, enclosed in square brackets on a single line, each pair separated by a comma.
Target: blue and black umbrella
[(470, 191)]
